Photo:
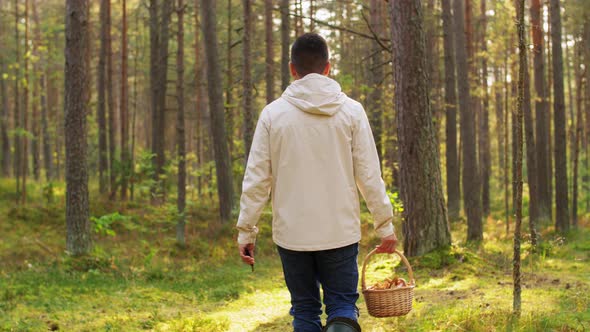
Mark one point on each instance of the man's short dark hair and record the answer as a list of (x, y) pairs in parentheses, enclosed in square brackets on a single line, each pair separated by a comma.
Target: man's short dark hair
[(309, 54)]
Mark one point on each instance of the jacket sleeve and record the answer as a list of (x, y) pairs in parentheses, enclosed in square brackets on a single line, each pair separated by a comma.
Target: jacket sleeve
[(257, 183), (367, 173)]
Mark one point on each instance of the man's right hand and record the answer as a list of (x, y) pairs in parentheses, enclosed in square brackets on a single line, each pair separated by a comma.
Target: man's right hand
[(387, 245), (247, 253)]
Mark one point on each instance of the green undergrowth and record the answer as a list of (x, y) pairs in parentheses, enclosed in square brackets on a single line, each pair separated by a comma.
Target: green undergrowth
[(138, 279)]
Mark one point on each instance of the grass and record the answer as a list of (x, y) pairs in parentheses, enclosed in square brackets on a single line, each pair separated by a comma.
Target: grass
[(140, 280)]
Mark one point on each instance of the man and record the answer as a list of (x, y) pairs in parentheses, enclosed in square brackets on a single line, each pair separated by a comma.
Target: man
[(312, 148)]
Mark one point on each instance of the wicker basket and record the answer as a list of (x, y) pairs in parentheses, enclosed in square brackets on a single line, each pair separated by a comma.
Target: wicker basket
[(389, 302)]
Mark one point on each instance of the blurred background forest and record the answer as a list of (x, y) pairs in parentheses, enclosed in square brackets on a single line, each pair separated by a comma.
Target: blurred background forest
[(166, 95)]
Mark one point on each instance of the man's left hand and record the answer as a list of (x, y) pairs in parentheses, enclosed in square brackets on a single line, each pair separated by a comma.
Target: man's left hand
[(387, 245)]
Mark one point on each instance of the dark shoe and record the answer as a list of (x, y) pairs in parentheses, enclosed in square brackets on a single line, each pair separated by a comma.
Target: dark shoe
[(341, 324)]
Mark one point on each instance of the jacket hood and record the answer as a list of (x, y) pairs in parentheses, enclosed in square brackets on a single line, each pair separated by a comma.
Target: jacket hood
[(316, 94)]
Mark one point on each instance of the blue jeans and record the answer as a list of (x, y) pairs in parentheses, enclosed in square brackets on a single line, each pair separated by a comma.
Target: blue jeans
[(336, 270)]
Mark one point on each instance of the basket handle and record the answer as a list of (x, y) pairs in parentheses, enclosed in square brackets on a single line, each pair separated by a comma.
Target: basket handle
[(403, 258)]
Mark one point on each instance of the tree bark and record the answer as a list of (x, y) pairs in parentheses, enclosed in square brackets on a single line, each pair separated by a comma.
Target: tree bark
[(103, 166), (136, 77), (484, 126), (199, 100), (35, 128), (434, 68), (25, 110), (229, 77), (541, 113), (17, 107), (159, 29), (222, 157), (374, 104), (559, 122), (531, 163), (500, 127), (285, 75), (550, 142), (42, 130), (523, 68), (247, 78), (4, 126), (112, 123), (124, 110), (470, 180), (269, 69), (577, 135), (453, 184), (586, 178), (180, 126), (78, 240), (426, 226), (507, 117), (532, 172)]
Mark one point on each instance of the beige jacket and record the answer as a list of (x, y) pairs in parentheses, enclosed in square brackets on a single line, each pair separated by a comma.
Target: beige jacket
[(311, 150)]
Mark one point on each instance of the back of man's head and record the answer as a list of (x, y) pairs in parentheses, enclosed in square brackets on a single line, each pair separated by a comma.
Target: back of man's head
[(309, 54)]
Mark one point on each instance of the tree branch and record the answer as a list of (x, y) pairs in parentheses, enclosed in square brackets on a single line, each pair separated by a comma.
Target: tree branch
[(375, 36), (329, 25)]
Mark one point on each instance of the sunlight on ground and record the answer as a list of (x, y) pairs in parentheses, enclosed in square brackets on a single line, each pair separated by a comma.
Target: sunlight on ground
[(257, 309)]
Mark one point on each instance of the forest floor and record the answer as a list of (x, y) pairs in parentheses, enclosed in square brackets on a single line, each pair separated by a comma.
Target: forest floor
[(138, 279)]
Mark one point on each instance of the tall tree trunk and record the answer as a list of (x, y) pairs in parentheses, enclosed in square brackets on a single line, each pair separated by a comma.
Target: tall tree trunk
[(298, 18), (531, 163), (578, 135), (199, 100), (269, 69), (453, 185), (471, 181), (134, 114), (433, 64), (523, 67), (110, 103), (156, 139), (4, 125), (285, 75), (484, 125), (514, 88), (550, 143), (35, 126), (311, 15), (570, 118), (78, 240), (229, 97), (167, 8), (586, 179), (559, 122), (47, 155), (17, 108), (421, 187), (43, 133), (374, 103), (159, 28), (126, 167), (222, 157), (35, 132), (498, 88), (541, 113), (247, 78), (180, 135), (103, 160), (506, 135), (25, 110)]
